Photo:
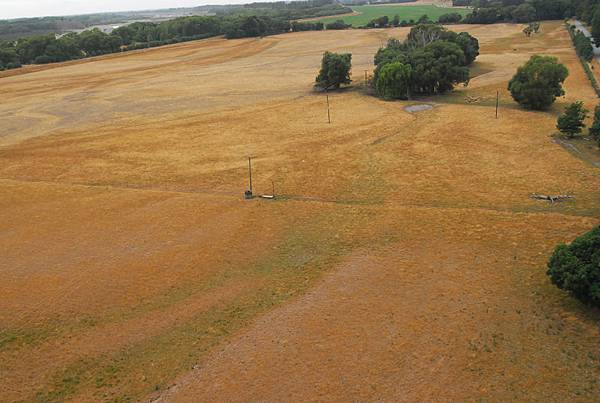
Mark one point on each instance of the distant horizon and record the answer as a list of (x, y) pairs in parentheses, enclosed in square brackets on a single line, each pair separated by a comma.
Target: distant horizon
[(17, 9)]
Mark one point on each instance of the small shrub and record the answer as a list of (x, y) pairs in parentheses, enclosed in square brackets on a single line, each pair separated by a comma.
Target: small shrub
[(393, 81)]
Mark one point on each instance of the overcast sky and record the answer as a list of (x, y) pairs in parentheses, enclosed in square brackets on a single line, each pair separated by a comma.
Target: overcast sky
[(38, 8)]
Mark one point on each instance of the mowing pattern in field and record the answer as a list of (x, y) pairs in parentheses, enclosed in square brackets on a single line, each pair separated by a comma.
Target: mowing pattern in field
[(368, 13), (402, 261)]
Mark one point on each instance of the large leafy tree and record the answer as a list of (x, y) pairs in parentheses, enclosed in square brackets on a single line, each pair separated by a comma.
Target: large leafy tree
[(437, 68), (572, 120), (335, 70), (576, 267), (393, 81), (538, 82), (424, 34)]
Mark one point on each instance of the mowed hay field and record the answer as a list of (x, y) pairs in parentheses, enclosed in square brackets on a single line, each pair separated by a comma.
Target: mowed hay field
[(403, 259)]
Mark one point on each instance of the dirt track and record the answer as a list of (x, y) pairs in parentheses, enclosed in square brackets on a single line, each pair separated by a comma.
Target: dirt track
[(410, 267)]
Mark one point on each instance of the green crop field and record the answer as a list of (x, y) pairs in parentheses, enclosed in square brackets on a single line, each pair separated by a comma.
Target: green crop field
[(367, 13)]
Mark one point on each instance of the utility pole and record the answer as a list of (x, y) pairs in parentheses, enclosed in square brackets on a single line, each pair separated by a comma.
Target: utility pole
[(328, 114), (497, 101), (248, 193), (250, 172)]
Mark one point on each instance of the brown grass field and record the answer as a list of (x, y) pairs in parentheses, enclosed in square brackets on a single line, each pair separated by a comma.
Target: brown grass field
[(403, 260)]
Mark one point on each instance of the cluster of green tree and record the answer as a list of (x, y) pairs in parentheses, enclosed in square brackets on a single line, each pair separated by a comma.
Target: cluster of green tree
[(583, 44), (385, 22), (432, 60), (450, 18), (178, 28), (49, 49), (298, 26), (489, 12), (576, 267), (335, 71), (243, 27), (538, 82), (585, 51), (9, 59), (585, 9), (339, 24)]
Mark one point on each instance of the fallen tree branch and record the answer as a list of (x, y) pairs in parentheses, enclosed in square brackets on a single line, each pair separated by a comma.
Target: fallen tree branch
[(551, 198)]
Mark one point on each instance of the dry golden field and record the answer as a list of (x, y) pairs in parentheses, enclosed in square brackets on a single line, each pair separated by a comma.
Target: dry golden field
[(403, 260)]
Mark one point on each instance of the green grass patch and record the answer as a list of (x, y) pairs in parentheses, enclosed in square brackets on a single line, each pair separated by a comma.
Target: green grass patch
[(368, 13)]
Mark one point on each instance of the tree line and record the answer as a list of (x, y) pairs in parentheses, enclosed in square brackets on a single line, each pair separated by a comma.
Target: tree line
[(492, 11), (386, 22), (50, 48)]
